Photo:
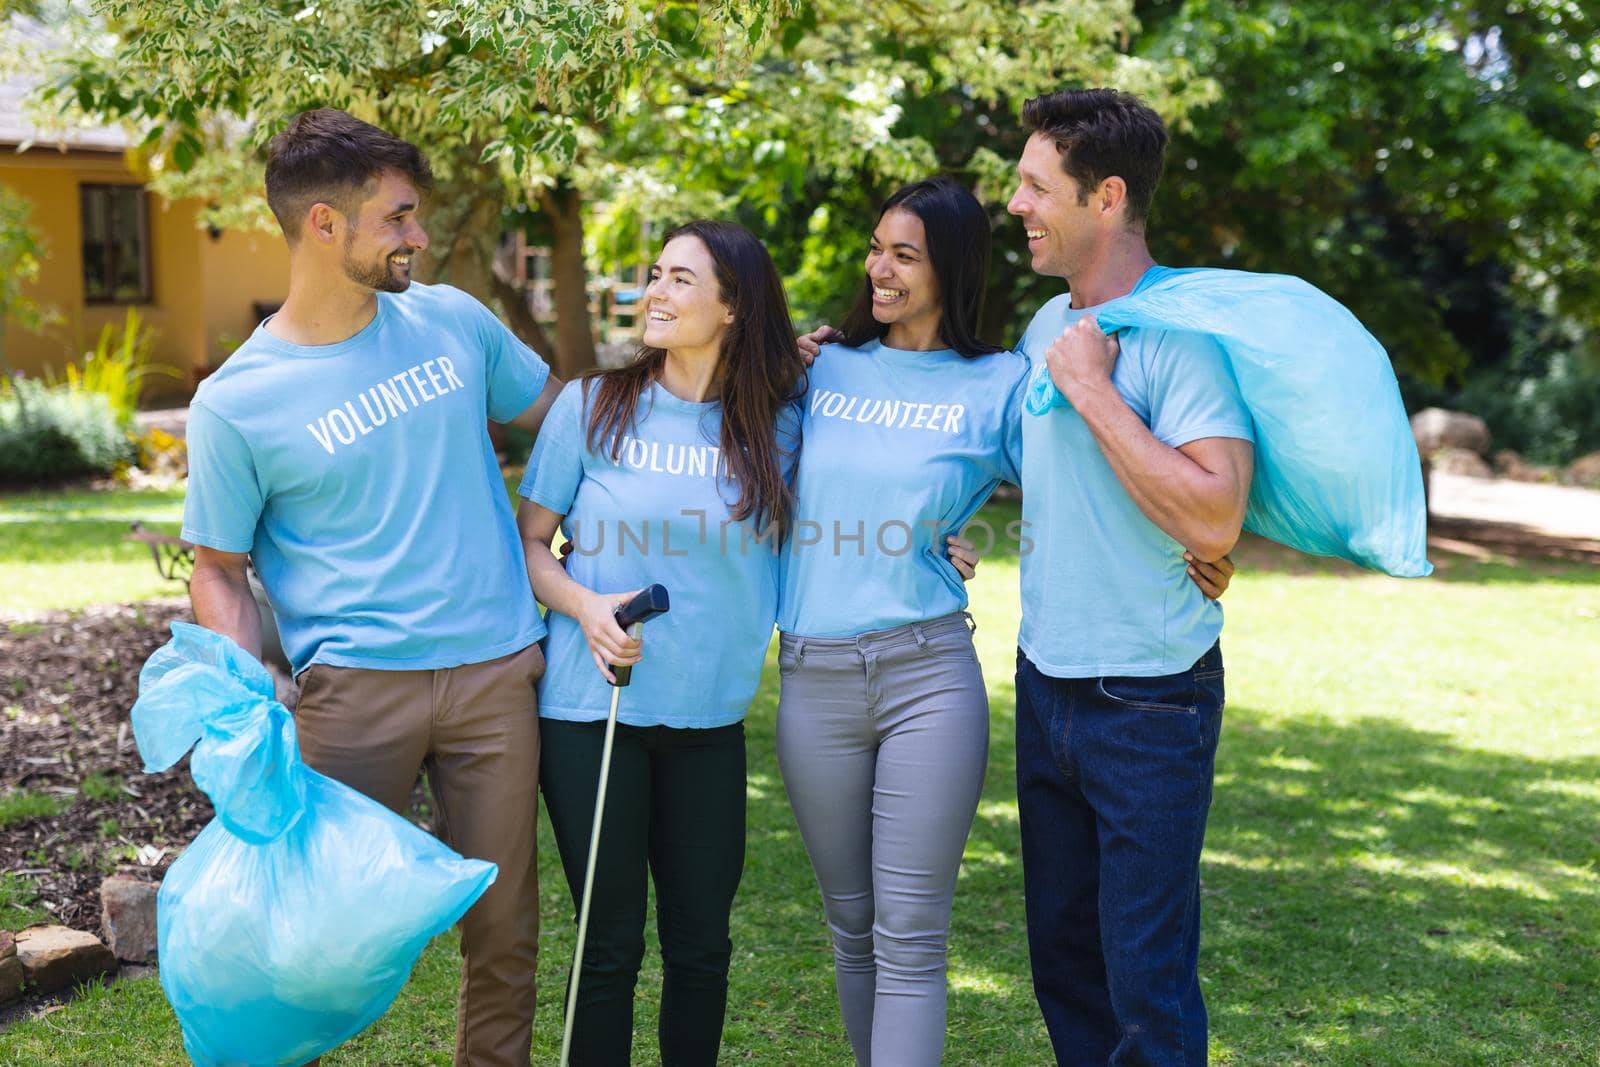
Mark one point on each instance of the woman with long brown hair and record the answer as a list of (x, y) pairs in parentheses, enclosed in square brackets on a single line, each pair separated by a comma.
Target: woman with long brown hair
[(672, 470)]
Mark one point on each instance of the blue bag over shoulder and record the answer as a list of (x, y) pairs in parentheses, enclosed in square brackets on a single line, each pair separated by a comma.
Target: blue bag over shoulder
[(296, 915), (1336, 465)]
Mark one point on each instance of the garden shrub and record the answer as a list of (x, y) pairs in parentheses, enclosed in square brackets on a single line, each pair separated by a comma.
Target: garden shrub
[(82, 424), (1540, 396), (54, 432), (117, 366), (163, 457)]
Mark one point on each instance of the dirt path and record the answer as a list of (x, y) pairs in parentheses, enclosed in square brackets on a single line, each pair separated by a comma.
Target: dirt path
[(1554, 510), (1483, 516)]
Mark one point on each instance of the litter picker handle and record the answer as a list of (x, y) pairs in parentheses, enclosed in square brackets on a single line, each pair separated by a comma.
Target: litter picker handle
[(631, 617), (635, 613), (647, 605)]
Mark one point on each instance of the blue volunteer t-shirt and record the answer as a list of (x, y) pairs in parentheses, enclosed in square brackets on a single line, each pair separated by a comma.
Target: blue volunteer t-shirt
[(901, 449), (657, 513), (1104, 590), (361, 479)]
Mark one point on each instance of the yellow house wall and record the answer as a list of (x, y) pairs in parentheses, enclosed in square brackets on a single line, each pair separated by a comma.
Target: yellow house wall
[(201, 288), (241, 268)]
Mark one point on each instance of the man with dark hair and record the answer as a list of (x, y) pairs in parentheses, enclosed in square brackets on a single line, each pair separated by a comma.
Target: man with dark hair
[(331, 156), (343, 449), (1119, 670)]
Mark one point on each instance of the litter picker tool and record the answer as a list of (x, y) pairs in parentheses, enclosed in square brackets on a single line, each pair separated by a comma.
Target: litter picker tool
[(631, 617)]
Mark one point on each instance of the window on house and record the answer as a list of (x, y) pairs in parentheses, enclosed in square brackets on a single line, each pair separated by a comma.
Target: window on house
[(116, 245)]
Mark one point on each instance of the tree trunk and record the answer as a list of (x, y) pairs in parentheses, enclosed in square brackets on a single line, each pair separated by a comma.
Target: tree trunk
[(562, 204), (514, 305)]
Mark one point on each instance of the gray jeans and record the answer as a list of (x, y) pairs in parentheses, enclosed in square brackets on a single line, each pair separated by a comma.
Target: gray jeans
[(883, 740)]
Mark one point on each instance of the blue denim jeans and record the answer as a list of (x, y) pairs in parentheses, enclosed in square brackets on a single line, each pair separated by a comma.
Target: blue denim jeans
[(1113, 786)]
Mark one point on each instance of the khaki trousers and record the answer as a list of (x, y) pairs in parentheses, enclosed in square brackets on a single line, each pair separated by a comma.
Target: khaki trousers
[(475, 728)]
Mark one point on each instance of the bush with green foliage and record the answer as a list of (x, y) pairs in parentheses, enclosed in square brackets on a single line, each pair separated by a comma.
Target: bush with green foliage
[(50, 432), (1548, 414), (82, 423), (1539, 391)]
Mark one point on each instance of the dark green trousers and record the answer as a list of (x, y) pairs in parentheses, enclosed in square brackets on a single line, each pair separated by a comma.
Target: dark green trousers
[(675, 811)]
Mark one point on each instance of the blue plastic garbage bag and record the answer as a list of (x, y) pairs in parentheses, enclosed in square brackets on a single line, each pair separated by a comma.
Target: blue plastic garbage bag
[(296, 915), (1336, 465)]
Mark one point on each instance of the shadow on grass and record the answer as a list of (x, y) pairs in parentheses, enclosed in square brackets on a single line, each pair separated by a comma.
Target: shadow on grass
[(1374, 894), (80, 500), (1482, 566), (69, 527), (1381, 894)]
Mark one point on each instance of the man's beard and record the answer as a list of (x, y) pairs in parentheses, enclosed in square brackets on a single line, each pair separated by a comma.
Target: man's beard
[(379, 276)]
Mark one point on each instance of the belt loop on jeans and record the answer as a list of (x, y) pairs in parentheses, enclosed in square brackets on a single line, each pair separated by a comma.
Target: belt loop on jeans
[(972, 624), (922, 638), (799, 651)]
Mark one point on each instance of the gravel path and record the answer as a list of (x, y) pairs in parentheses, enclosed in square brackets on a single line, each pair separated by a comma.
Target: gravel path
[(1554, 510)]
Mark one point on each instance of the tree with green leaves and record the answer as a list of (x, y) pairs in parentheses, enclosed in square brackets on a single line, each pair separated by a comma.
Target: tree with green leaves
[(589, 122), (1433, 165), (496, 92), (844, 103)]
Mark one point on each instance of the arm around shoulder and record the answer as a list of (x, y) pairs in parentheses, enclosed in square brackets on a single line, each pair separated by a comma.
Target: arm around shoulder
[(533, 416)]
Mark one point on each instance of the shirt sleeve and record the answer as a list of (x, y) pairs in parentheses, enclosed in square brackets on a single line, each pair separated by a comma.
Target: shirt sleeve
[(1193, 393), (514, 372), (224, 500), (1011, 427), (556, 467)]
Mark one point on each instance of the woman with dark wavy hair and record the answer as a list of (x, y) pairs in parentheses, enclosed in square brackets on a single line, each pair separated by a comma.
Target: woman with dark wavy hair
[(672, 470)]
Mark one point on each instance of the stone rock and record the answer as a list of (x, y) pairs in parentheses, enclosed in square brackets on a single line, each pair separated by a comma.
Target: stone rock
[(11, 979), (1436, 428), (1585, 470), (10, 968), (1460, 461), (56, 957), (128, 917), (1508, 464)]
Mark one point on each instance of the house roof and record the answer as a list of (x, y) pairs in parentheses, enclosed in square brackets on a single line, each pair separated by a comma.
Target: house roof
[(17, 128)]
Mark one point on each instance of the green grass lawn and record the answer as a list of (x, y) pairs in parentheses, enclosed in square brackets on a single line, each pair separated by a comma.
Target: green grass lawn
[(1403, 864), (65, 550)]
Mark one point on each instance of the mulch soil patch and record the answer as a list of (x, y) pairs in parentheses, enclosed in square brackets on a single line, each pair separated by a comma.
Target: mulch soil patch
[(67, 682)]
